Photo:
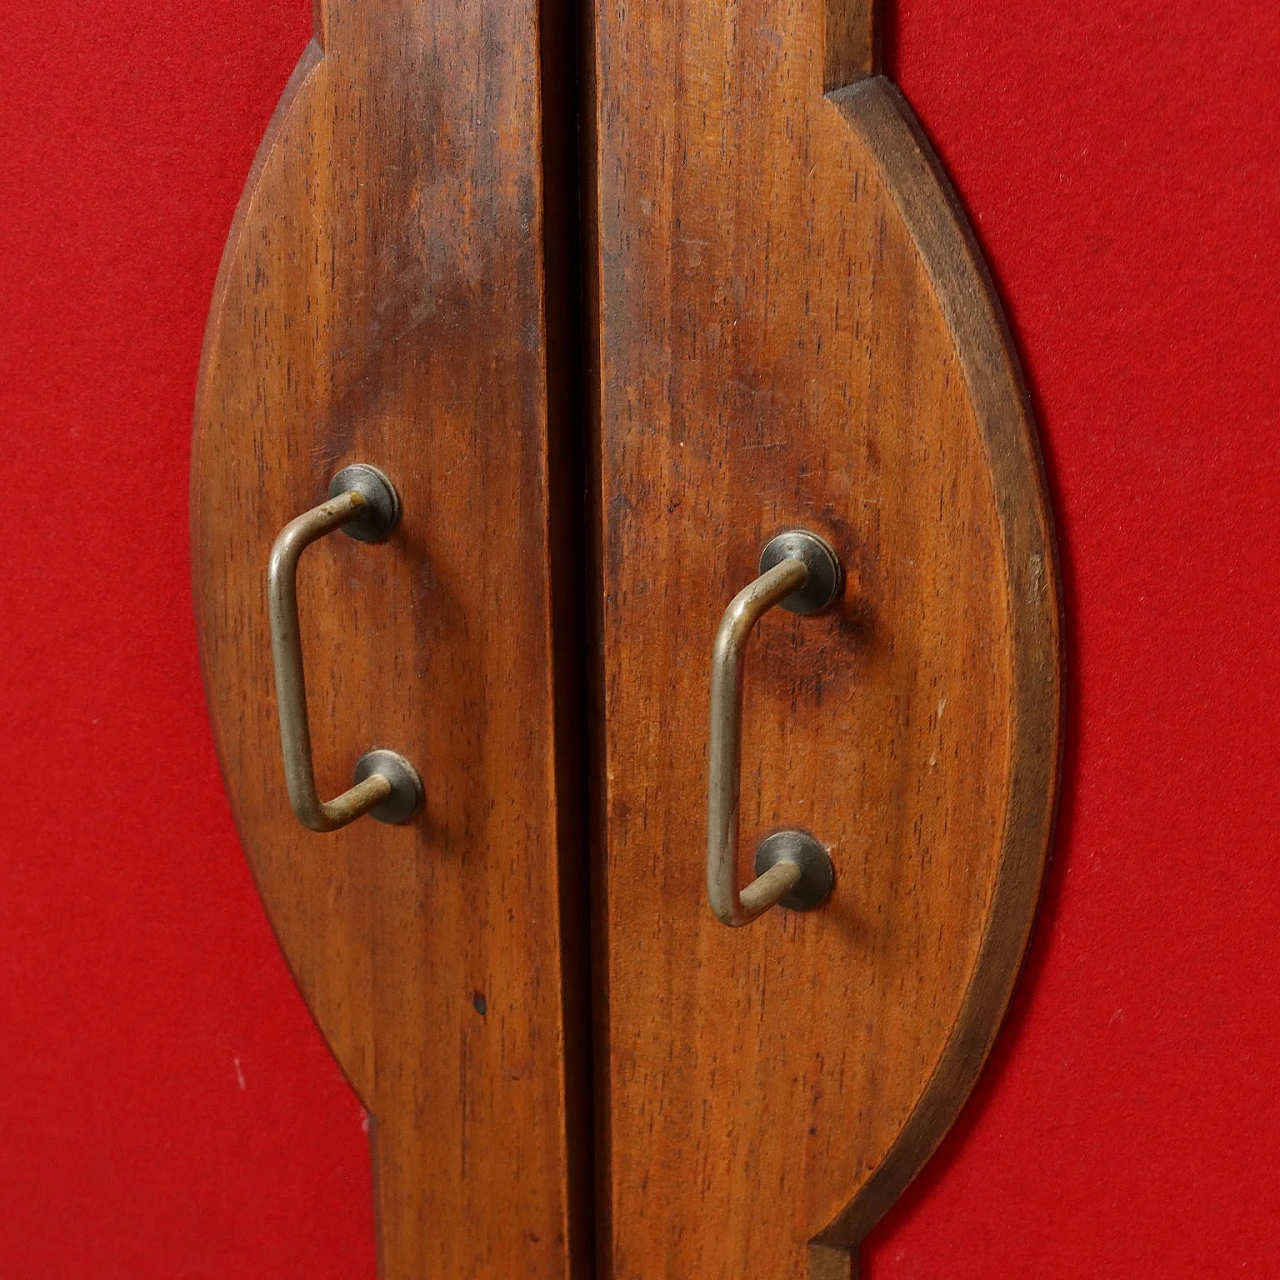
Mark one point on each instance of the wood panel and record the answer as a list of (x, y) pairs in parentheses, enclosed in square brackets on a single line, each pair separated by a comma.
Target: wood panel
[(794, 328), (384, 298)]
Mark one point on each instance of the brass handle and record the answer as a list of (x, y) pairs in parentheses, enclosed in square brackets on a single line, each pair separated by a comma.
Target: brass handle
[(801, 572), (364, 503)]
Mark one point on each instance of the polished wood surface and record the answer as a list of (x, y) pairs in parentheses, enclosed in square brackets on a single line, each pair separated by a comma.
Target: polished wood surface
[(794, 328), (788, 325), (384, 299)]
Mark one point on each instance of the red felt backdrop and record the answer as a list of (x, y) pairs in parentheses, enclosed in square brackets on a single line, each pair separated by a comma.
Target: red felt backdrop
[(166, 1109)]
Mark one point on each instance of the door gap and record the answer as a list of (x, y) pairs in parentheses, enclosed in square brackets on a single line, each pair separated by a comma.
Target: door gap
[(566, 322)]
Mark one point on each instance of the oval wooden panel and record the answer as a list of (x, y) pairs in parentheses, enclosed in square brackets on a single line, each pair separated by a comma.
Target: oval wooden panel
[(382, 300), (795, 329)]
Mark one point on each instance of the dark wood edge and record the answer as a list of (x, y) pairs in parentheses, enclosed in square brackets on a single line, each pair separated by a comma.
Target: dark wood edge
[(591, 216), (880, 115), (569, 583)]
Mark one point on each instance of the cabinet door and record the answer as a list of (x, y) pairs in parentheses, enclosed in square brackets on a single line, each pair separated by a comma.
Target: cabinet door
[(384, 301), (795, 332), (794, 348)]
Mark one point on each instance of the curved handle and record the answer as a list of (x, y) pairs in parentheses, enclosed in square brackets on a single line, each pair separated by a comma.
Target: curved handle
[(364, 503), (800, 572)]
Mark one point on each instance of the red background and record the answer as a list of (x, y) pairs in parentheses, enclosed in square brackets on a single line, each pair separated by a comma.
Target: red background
[(167, 1110)]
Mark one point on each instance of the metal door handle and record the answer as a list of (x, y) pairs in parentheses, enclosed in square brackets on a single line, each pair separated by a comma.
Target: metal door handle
[(801, 572), (363, 503)]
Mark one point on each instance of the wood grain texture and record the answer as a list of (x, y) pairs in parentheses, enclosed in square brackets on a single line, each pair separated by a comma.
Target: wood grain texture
[(384, 299), (794, 328), (851, 48)]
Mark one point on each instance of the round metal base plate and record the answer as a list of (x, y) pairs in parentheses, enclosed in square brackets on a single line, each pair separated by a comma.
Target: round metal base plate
[(381, 513), (406, 786), (826, 577), (817, 874)]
